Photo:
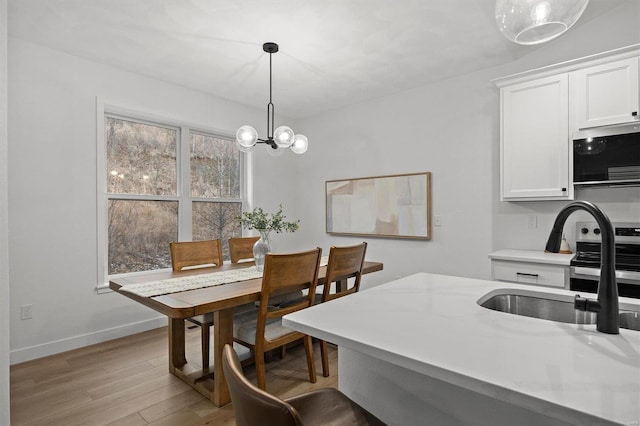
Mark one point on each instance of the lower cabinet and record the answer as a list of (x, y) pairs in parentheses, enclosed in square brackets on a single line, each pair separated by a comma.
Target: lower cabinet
[(530, 273)]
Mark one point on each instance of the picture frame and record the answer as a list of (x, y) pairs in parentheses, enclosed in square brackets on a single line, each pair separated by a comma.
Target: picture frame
[(392, 206)]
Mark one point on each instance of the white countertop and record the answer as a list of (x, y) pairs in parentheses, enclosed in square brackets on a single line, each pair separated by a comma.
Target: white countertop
[(432, 324), (535, 256)]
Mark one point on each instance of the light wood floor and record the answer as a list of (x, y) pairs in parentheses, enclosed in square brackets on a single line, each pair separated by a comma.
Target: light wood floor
[(126, 382)]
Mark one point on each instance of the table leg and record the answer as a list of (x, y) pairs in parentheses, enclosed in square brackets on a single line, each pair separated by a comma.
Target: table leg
[(222, 334), (341, 285), (177, 357)]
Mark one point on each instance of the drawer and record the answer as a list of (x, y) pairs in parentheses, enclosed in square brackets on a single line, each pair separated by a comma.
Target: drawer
[(530, 273)]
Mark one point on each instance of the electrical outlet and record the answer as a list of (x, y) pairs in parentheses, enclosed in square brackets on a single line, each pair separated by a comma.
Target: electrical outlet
[(26, 312), (532, 221), (437, 220)]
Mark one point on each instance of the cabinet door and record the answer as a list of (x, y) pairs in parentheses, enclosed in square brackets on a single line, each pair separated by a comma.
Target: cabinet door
[(605, 94), (535, 140)]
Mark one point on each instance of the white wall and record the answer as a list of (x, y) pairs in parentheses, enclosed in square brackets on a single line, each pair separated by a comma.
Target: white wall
[(4, 213), (52, 191), (445, 129), (451, 128)]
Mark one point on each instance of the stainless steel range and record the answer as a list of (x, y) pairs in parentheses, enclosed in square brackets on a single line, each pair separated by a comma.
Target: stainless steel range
[(585, 266)]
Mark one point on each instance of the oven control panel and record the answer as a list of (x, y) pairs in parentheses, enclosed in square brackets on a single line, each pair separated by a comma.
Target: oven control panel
[(624, 232)]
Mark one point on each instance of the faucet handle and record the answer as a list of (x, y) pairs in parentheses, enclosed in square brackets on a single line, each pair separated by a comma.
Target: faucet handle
[(584, 304)]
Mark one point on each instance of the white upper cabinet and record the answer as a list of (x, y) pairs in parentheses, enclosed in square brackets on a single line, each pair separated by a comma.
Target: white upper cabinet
[(605, 94), (535, 140)]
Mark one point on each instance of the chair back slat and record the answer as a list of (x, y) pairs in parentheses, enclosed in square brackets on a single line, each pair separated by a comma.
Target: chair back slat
[(241, 248), (344, 263), (288, 273), (195, 253)]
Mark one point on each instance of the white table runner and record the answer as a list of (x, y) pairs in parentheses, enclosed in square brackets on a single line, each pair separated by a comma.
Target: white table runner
[(193, 282)]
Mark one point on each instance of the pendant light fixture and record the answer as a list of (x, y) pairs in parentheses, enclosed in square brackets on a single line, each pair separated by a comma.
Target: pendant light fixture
[(283, 137), (536, 21)]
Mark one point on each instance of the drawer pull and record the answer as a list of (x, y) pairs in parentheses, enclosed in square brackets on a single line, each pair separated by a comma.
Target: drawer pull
[(527, 275)]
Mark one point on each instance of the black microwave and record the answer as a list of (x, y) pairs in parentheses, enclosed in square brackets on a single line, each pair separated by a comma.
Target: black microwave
[(607, 156)]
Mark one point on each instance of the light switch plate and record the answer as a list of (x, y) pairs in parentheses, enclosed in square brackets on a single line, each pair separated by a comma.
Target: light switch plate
[(26, 312)]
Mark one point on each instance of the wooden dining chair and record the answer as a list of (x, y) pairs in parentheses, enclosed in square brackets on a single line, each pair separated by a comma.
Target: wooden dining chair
[(185, 254), (241, 248), (253, 406), (283, 273), (344, 264)]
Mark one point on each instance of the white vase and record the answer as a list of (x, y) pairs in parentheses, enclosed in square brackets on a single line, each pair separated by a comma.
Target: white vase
[(260, 249)]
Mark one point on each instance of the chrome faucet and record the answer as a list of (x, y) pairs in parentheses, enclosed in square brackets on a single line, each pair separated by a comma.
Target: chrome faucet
[(606, 306)]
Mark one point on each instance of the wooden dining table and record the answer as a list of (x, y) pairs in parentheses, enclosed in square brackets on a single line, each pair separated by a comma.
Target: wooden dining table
[(219, 300)]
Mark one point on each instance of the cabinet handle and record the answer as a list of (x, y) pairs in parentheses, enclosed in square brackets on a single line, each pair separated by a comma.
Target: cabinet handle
[(634, 114), (527, 275), (564, 189)]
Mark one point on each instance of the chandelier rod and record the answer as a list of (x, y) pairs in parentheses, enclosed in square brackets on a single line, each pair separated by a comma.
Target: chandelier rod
[(270, 108)]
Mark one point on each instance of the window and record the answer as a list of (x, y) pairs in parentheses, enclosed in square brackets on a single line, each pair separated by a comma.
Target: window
[(215, 176), (161, 182)]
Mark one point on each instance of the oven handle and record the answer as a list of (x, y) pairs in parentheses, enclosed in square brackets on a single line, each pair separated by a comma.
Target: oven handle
[(632, 276)]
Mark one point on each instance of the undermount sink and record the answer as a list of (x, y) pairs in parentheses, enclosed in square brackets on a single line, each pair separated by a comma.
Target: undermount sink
[(548, 306)]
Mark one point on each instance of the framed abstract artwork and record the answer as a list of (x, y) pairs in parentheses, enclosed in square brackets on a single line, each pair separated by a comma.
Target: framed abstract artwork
[(395, 206)]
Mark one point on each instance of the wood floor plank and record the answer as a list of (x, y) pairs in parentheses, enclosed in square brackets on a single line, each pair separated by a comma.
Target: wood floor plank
[(146, 393), (113, 412), (172, 405), (193, 414), (126, 382), (81, 378), (134, 419), (134, 378)]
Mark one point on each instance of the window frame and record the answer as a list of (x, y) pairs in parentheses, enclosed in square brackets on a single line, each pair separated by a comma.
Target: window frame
[(183, 170)]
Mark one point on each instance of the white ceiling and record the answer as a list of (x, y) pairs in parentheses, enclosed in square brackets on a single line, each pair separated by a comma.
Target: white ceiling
[(332, 52)]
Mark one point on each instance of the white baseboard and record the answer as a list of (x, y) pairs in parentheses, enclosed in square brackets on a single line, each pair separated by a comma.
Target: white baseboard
[(75, 342)]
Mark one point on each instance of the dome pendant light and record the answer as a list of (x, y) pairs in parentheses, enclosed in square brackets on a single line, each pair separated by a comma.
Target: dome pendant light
[(283, 136), (536, 21)]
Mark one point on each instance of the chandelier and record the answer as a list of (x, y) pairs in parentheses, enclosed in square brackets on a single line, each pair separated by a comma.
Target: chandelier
[(536, 21), (283, 137)]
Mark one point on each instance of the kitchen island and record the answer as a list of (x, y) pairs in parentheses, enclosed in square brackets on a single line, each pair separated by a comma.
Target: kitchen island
[(420, 350)]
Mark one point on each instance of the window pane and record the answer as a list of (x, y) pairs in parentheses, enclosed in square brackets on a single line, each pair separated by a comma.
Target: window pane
[(212, 221), (215, 167), (141, 158), (140, 233)]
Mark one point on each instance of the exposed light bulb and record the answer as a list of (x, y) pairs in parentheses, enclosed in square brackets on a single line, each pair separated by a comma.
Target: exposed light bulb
[(300, 144), (283, 136), (540, 12), (247, 136)]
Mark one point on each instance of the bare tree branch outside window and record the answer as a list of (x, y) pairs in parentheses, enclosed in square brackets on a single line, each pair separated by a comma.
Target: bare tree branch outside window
[(143, 200)]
